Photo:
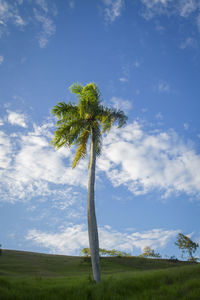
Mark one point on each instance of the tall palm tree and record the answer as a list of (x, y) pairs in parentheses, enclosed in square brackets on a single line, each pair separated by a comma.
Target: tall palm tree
[(76, 124)]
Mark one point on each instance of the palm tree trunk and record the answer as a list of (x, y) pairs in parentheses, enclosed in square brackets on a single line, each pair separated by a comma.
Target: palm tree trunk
[(92, 222)]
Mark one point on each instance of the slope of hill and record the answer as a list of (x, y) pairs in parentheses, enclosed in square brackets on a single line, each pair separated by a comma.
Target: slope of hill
[(28, 275)]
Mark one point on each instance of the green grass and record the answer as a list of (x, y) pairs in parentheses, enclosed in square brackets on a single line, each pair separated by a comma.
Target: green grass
[(26, 275)]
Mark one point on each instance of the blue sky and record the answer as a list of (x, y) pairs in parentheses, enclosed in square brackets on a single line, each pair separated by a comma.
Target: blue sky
[(144, 56)]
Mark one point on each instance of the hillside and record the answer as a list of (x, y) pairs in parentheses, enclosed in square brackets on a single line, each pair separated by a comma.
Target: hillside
[(36, 276), (20, 263)]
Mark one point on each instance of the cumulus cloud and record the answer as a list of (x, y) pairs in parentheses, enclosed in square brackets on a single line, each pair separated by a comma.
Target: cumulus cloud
[(34, 169), (15, 118), (150, 161), (113, 9), (66, 242), (143, 161), (75, 237), (5, 151)]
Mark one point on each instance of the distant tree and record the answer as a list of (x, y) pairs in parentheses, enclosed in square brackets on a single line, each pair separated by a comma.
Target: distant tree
[(104, 252), (0, 249), (173, 258), (114, 252), (77, 125), (186, 245), (85, 252), (148, 252)]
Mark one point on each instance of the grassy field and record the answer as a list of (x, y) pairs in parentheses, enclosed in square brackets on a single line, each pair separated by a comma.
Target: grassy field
[(27, 275)]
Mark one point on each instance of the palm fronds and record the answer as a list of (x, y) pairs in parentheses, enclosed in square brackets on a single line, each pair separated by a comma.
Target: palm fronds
[(64, 111), (82, 147), (108, 117), (76, 122)]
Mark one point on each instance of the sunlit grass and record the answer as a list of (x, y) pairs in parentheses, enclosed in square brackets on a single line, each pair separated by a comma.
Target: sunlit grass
[(123, 278)]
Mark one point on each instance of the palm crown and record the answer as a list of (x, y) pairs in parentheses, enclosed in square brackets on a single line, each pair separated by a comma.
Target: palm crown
[(77, 122)]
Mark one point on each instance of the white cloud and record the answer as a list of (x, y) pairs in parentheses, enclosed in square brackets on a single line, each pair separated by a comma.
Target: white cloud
[(75, 237), (19, 21), (113, 9), (48, 28), (189, 42), (150, 161), (5, 10), (186, 7), (40, 13), (141, 160), (123, 79), (126, 73), (152, 3), (15, 118), (163, 86), (120, 103), (1, 59), (5, 151), (9, 13), (154, 7), (35, 169), (181, 8), (43, 5), (67, 242)]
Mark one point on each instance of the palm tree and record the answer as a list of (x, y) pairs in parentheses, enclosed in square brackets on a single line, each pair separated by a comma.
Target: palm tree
[(76, 124)]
